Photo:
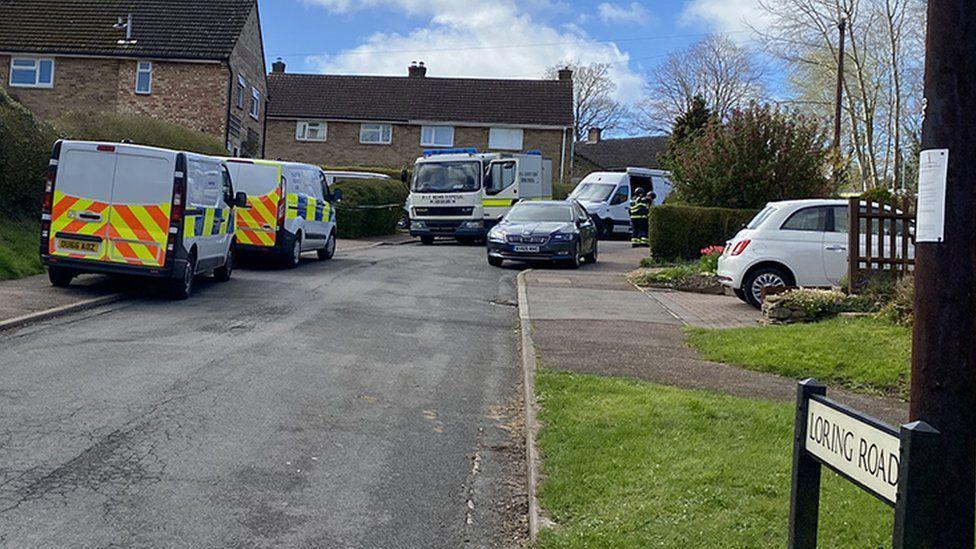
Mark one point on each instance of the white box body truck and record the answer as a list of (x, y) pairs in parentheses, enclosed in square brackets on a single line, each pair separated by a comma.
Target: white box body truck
[(461, 193)]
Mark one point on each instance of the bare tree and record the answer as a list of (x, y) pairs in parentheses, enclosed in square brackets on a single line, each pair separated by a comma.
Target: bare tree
[(716, 68), (594, 105)]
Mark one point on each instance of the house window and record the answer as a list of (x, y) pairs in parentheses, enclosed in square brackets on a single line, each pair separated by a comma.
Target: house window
[(241, 90), (311, 131), (144, 77), (31, 73), (376, 134), (437, 136), (255, 103), (508, 139)]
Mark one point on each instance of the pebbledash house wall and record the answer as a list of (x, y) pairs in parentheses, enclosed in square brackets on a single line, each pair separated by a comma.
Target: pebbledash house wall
[(342, 146), (194, 94)]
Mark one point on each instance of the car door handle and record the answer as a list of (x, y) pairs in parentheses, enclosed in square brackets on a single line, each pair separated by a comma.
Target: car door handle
[(836, 248)]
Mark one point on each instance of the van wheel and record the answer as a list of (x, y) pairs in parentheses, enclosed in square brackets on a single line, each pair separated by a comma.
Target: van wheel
[(182, 287), (222, 274), (295, 256), (60, 277), (426, 240), (330, 247)]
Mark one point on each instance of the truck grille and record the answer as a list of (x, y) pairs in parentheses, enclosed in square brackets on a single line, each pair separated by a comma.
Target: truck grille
[(443, 210)]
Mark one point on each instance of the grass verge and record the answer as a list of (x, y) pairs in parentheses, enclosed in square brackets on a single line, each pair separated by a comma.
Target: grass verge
[(862, 354), (18, 249), (631, 464)]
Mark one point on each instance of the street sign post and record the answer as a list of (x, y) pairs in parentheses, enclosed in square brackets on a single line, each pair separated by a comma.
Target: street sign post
[(897, 466)]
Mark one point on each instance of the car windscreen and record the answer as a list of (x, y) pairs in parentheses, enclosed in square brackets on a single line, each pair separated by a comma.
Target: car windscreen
[(253, 179), (760, 217), (562, 213), (447, 177), (593, 192)]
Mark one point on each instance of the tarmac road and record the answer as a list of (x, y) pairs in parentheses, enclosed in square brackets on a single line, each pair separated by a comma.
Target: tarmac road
[(358, 402)]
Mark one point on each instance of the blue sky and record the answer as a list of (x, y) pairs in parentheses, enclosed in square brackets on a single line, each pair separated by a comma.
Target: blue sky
[(492, 38)]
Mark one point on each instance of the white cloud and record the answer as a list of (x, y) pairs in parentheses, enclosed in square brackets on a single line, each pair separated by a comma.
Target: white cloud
[(615, 13), (466, 38), (725, 15)]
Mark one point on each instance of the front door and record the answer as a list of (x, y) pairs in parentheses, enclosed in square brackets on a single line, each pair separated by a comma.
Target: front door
[(620, 208), (801, 240), (501, 188)]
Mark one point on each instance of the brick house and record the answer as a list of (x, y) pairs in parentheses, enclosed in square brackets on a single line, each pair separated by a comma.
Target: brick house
[(611, 155), (389, 121), (198, 64)]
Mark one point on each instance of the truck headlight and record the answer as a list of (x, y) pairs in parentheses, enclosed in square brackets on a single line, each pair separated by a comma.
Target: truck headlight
[(473, 224), (418, 225)]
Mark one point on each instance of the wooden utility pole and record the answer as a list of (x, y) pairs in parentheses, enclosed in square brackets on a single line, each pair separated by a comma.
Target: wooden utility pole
[(838, 97), (943, 386)]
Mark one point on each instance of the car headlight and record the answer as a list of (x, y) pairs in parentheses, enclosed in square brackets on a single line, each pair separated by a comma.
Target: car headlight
[(563, 237), (497, 237), (418, 225)]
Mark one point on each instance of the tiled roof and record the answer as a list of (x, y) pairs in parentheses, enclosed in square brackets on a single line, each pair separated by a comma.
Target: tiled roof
[(392, 98), (630, 152), (186, 29)]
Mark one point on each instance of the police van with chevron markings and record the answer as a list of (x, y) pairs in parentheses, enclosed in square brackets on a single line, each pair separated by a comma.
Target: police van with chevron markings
[(290, 209), (118, 208)]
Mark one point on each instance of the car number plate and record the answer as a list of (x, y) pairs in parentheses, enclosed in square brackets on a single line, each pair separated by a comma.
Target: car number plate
[(79, 245), (527, 249)]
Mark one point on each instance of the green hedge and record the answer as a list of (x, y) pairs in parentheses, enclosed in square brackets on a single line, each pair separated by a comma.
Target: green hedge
[(678, 231), (561, 190), (101, 126), (25, 149), (369, 207)]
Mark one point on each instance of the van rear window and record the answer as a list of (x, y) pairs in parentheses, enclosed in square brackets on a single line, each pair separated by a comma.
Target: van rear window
[(86, 174)]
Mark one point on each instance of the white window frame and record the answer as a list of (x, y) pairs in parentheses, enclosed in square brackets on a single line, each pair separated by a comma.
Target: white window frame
[(431, 139), (37, 72), (499, 139), (255, 110), (301, 130), (141, 70), (241, 90), (370, 127)]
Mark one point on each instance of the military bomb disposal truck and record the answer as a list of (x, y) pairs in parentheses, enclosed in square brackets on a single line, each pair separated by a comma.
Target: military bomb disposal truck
[(461, 193)]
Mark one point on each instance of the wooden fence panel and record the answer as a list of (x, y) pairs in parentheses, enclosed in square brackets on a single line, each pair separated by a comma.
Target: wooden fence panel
[(881, 239)]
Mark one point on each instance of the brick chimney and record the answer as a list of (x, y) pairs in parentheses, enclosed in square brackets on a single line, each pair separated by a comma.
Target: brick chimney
[(566, 73), (593, 135), (417, 70), (278, 67)]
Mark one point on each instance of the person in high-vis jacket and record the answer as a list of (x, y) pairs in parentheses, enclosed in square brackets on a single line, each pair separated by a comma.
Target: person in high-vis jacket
[(639, 210)]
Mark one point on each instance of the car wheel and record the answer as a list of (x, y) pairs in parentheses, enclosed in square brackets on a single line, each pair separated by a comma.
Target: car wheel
[(60, 277), (426, 240), (591, 257), (740, 293), (223, 274), (330, 247), (182, 287), (295, 256), (575, 261), (759, 279), (495, 261)]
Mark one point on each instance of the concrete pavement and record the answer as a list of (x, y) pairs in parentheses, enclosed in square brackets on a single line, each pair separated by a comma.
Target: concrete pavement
[(360, 402)]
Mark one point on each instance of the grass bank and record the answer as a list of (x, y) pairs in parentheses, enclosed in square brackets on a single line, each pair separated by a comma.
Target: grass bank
[(18, 249), (862, 354), (632, 464)]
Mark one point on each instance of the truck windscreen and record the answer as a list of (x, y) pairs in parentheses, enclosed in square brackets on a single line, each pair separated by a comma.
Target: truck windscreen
[(447, 177)]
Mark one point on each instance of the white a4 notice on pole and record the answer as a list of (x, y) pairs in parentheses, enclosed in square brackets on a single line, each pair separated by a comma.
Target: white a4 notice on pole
[(933, 168)]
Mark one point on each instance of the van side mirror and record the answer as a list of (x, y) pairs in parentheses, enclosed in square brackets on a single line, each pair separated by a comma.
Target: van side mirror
[(403, 175), (240, 199), (337, 195)]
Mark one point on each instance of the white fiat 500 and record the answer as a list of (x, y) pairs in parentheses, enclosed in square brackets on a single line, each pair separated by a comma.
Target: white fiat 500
[(793, 243)]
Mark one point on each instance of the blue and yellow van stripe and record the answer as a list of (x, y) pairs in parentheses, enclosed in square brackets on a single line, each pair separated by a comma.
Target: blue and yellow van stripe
[(308, 208), (208, 222)]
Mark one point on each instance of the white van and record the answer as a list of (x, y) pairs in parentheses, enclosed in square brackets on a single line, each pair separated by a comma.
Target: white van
[(127, 209), (606, 196), (304, 220)]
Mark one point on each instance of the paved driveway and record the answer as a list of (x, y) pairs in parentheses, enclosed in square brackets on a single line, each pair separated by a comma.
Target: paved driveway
[(361, 402)]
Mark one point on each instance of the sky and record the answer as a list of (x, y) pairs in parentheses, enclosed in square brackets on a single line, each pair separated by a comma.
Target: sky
[(493, 38)]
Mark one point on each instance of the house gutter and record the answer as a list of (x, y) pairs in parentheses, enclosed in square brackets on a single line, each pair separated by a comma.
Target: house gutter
[(562, 159), (230, 98)]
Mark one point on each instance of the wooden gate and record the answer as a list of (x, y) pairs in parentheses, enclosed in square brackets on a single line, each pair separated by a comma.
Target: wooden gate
[(881, 239)]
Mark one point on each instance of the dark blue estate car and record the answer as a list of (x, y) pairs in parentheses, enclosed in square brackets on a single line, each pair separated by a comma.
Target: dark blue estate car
[(544, 231)]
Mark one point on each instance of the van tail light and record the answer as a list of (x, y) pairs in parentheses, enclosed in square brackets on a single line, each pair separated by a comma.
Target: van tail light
[(282, 202), (177, 207), (47, 204), (740, 247)]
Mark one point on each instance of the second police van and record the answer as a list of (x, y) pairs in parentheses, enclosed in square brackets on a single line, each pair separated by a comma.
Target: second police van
[(118, 208), (290, 209)]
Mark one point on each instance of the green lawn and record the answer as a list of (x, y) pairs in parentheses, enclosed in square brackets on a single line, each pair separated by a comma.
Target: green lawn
[(632, 464), (18, 249), (864, 354)]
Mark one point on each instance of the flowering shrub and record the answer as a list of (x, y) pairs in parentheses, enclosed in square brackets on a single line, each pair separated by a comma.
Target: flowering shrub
[(709, 259)]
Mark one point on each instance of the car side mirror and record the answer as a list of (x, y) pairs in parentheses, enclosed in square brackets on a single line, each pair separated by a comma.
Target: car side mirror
[(337, 195), (240, 199)]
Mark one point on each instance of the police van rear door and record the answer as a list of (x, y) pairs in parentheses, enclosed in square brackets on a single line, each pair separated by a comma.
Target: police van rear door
[(81, 199), (142, 194)]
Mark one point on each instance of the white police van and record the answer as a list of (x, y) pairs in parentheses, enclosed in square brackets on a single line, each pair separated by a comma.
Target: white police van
[(119, 208)]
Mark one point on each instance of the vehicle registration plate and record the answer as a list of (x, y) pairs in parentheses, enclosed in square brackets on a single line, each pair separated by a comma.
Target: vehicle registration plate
[(527, 249), (79, 245)]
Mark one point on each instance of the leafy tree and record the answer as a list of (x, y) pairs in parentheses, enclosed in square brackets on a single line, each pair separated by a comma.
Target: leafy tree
[(759, 155)]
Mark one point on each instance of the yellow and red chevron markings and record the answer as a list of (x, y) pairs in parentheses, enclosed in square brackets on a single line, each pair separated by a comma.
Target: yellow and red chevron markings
[(257, 224), (64, 219)]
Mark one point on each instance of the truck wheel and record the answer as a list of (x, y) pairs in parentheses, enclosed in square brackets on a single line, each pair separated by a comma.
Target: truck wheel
[(223, 274), (182, 287), (329, 250), (294, 256), (426, 240), (60, 277)]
